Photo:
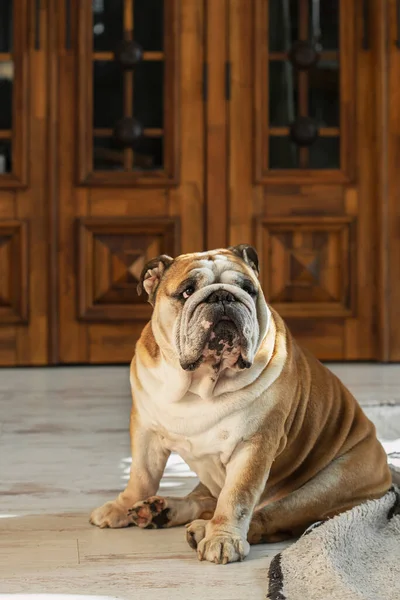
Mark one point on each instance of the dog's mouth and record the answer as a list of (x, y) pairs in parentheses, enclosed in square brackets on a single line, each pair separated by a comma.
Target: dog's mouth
[(220, 330), (222, 348)]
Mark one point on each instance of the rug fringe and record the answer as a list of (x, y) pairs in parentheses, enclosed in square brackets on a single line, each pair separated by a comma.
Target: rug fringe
[(275, 576)]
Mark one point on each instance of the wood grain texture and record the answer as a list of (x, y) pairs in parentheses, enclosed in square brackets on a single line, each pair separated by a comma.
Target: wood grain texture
[(244, 197), (318, 274), (216, 183), (32, 207), (217, 15), (390, 215), (187, 201), (307, 265), (112, 254), (14, 289), (23, 270), (123, 223)]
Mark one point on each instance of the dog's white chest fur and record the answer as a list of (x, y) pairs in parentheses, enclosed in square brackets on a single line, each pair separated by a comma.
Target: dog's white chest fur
[(203, 432), (208, 449), (204, 418)]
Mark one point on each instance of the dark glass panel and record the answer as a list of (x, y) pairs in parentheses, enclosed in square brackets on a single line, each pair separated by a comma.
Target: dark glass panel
[(149, 154), (324, 95), (282, 93), (5, 156), (6, 25), (324, 23), (283, 153), (6, 92), (108, 27), (148, 94), (325, 153), (107, 156), (283, 24), (107, 94), (148, 19)]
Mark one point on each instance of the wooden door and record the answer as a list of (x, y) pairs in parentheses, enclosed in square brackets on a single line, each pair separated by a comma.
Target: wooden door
[(390, 216), (130, 162), (303, 163), (23, 177)]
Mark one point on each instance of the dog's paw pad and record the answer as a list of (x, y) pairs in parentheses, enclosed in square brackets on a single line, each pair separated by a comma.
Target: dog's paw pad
[(152, 513)]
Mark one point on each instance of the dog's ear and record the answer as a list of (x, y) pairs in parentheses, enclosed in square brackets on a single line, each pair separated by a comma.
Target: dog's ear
[(248, 254), (152, 274)]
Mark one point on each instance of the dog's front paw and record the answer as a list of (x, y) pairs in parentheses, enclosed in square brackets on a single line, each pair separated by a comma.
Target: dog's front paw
[(112, 515), (223, 548), (195, 532), (152, 513)]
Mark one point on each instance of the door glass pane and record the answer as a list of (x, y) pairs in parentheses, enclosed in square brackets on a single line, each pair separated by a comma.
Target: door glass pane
[(148, 93), (325, 153), (283, 24), (6, 88), (283, 106), (107, 156), (107, 24), (283, 153), (324, 23), (148, 20), (149, 154), (324, 99), (6, 25), (6, 101), (5, 156), (107, 93)]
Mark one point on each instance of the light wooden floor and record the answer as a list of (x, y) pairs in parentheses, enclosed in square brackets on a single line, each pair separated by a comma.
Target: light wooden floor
[(64, 449)]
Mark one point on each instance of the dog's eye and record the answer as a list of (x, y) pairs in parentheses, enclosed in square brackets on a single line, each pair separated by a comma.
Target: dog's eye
[(188, 292), (249, 289)]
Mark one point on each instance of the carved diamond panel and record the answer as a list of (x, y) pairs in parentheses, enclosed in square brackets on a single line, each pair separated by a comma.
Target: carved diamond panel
[(306, 265), (13, 272), (112, 253)]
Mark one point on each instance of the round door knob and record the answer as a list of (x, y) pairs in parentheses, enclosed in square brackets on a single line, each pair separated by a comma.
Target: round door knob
[(303, 55), (128, 131), (304, 131), (128, 54)]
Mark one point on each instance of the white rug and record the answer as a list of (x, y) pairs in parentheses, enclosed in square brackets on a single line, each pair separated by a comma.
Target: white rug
[(354, 556)]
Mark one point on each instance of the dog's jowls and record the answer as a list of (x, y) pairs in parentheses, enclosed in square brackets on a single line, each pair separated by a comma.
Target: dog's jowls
[(275, 438)]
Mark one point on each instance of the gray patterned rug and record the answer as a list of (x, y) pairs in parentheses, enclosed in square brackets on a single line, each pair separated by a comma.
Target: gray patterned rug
[(354, 556)]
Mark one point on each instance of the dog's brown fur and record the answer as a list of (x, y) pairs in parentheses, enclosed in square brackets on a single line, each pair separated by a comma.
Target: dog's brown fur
[(313, 454)]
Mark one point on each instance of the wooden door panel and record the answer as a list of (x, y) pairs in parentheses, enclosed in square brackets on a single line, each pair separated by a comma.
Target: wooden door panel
[(14, 301), (307, 265), (390, 216), (136, 188), (23, 216), (112, 254), (302, 187)]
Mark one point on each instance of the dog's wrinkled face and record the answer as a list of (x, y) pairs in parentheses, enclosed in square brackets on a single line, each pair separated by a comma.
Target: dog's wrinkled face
[(208, 307)]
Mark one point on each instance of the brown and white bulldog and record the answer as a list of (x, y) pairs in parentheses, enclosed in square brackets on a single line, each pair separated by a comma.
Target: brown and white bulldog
[(275, 438)]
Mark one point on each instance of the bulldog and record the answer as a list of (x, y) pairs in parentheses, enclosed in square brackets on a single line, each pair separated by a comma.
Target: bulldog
[(275, 438)]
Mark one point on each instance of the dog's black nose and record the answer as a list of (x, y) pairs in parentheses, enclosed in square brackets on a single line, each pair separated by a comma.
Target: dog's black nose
[(220, 296)]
